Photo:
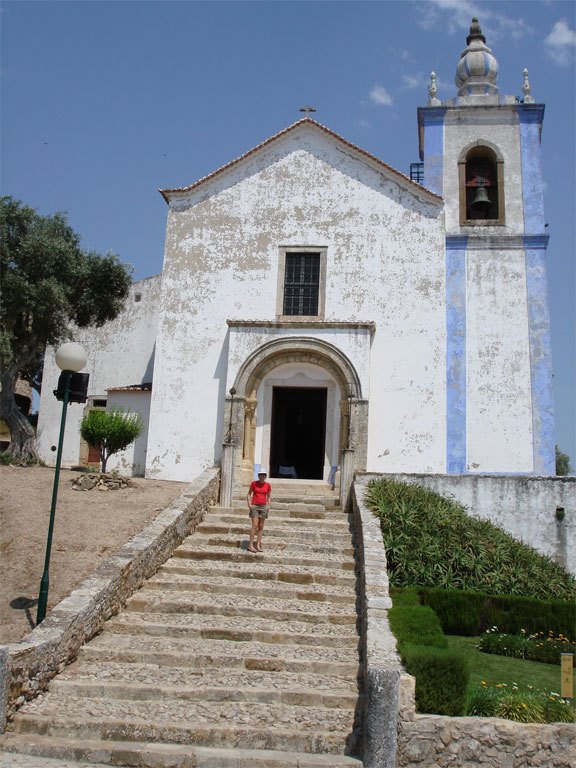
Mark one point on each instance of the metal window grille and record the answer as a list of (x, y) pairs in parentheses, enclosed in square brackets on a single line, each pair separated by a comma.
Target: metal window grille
[(417, 172), (301, 283)]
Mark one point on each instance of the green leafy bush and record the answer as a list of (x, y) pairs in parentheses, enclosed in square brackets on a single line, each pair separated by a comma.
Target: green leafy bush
[(431, 541), (545, 648), (513, 704), (469, 613), (441, 675), (441, 678), (110, 431), (417, 625)]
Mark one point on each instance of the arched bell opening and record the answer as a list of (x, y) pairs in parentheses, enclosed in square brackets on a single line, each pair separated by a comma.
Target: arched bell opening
[(481, 178), (297, 408)]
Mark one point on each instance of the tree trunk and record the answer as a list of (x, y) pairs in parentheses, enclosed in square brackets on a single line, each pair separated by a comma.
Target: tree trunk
[(23, 438)]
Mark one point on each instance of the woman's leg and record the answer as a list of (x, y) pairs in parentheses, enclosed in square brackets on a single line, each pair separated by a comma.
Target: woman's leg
[(253, 531), (261, 522)]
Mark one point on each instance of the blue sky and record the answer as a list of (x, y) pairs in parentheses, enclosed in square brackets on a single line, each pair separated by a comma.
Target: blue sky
[(105, 102)]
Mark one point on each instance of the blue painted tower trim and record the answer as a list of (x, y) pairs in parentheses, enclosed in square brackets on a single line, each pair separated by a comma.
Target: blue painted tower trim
[(530, 117), (540, 356), (456, 354), (432, 121)]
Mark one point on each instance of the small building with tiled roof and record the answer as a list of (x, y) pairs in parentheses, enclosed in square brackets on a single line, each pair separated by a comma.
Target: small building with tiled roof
[(320, 313)]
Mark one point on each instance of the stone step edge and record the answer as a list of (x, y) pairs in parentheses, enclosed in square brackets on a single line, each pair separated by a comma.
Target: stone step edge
[(316, 741), (207, 587), (242, 555), (176, 659), (166, 607), (274, 531), (283, 576), (165, 629), (138, 754), (303, 697)]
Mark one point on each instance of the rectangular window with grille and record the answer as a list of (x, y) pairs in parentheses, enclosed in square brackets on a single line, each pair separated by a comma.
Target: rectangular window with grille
[(301, 283)]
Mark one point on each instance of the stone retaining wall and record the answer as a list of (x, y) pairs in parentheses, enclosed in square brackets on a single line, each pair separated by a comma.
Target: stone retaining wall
[(27, 666), (430, 741)]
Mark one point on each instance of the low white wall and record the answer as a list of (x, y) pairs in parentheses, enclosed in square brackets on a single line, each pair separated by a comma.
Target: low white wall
[(528, 508)]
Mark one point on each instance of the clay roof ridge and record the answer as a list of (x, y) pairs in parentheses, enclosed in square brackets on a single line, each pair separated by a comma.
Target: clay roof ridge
[(305, 120)]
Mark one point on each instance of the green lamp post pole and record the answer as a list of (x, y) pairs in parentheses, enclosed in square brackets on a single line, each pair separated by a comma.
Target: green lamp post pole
[(70, 358)]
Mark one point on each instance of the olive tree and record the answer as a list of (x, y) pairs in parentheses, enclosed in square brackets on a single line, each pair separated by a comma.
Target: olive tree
[(49, 284), (110, 431)]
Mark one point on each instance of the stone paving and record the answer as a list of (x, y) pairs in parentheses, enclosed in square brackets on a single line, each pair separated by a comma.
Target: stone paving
[(224, 659)]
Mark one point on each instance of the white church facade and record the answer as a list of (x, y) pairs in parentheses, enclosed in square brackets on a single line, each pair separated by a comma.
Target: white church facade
[(320, 313)]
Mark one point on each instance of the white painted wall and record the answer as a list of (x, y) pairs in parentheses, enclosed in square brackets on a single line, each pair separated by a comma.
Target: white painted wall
[(499, 399), (119, 354), (385, 263), (132, 460)]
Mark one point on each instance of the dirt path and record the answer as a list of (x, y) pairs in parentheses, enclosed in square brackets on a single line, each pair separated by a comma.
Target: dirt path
[(89, 526)]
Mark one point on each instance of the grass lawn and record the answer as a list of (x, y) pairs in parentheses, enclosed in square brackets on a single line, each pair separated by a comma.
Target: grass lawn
[(503, 669)]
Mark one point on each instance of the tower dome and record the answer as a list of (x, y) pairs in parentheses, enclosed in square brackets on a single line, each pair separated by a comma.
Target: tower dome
[(477, 70)]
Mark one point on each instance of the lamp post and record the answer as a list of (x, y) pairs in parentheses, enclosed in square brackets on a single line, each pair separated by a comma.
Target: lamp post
[(70, 358)]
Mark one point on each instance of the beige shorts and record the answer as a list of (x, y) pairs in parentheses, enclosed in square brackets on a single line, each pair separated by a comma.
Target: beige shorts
[(261, 512)]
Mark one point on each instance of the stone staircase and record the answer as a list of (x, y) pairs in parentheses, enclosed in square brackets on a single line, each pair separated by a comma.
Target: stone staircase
[(222, 659)]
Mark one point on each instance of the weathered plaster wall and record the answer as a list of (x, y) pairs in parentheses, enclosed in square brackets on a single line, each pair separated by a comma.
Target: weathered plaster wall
[(525, 507), (385, 262), (498, 400), (132, 460), (120, 353)]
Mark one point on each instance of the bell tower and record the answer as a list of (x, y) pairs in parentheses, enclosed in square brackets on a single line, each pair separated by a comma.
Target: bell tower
[(481, 153)]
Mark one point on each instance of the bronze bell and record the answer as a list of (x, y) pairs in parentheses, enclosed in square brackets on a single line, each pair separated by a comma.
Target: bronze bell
[(481, 202)]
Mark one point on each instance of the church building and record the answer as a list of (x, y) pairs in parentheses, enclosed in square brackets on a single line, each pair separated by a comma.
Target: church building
[(321, 313)]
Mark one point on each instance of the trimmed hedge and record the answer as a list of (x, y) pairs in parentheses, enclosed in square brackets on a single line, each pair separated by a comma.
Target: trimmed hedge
[(472, 613), (441, 679), (441, 675)]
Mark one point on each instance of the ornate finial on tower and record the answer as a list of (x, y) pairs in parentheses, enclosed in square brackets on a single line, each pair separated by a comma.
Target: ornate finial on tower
[(433, 101), (477, 70), (475, 32), (526, 88)]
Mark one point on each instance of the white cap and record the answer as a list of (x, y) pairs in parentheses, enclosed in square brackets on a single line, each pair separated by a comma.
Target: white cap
[(262, 471)]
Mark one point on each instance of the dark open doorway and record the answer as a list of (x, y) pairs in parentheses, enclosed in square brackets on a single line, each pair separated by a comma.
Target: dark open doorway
[(298, 432)]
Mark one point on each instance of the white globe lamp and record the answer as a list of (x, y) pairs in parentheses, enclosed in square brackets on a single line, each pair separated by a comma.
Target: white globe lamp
[(71, 357)]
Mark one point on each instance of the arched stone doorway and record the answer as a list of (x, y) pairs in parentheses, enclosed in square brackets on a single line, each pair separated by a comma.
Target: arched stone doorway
[(266, 374)]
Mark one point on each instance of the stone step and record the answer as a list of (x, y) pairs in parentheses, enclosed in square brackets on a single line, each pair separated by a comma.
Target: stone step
[(245, 607), (213, 584), (195, 653), (244, 690), (254, 568), (275, 529), (196, 550), (298, 511), (273, 544), (251, 629), (150, 681), (284, 522), (252, 725), (52, 752)]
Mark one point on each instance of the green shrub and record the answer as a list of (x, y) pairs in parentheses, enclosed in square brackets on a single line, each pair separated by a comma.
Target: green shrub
[(513, 704), (503, 645), (431, 541), (545, 648), (110, 431), (471, 613), (417, 625), (441, 679)]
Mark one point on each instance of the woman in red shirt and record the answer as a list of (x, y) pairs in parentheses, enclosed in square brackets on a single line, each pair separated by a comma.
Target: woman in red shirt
[(258, 507)]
